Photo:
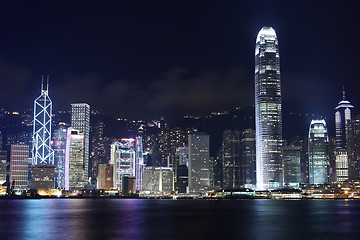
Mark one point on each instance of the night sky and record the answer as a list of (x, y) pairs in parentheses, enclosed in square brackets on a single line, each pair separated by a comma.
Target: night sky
[(147, 59)]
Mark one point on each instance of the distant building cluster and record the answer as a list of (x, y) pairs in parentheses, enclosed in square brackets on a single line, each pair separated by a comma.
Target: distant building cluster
[(81, 150)]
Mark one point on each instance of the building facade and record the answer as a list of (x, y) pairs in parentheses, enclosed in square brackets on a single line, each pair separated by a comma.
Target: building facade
[(159, 179), (268, 113), (43, 176)]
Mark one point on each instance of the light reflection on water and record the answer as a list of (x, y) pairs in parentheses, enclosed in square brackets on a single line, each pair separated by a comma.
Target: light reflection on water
[(82, 219)]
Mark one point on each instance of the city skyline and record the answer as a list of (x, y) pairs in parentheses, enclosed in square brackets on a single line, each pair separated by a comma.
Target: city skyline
[(164, 139), (231, 108), (149, 86)]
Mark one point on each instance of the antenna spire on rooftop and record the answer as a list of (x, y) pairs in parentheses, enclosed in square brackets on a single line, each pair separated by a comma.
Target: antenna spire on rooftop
[(47, 83), (42, 83), (343, 92)]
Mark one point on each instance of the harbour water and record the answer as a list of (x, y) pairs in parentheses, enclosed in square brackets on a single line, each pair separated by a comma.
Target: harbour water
[(83, 219)]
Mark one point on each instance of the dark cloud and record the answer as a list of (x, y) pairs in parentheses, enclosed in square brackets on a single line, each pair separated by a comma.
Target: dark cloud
[(206, 91), (177, 90), (15, 81)]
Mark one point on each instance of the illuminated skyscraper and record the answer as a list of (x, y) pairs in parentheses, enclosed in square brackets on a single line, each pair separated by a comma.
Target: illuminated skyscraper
[(318, 152), (268, 117), (19, 167), (248, 157), (231, 159), (342, 166), (74, 160), (98, 154), (123, 157), (105, 176), (3, 166), (342, 119), (199, 167), (292, 165), (59, 147), (41, 150), (80, 120), (139, 164), (354, 148)]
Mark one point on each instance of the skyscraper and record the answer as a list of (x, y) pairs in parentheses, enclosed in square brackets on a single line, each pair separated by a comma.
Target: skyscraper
[(59, 147), (105, 176), (248, 157), (292, 165), (342, 118), (80, 120), (123, 157), (3, 166), (268, 117), (354, 148), (199, 172), (342, 166), (41, 150), (19, 167), (74, 160), (139, 164), (98, 154), (318, 152), (231, 159)]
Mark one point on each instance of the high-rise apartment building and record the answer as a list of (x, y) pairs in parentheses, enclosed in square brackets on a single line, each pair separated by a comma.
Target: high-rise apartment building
[(268, 116), (199, 172), (342, 118), (42, 152), (75, 172), (318, 152), (80, 120), (19, 167)]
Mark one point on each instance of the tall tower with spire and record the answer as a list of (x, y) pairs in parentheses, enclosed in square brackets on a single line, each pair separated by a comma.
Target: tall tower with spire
[(42, 152), (268, 117), (342, 117)]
